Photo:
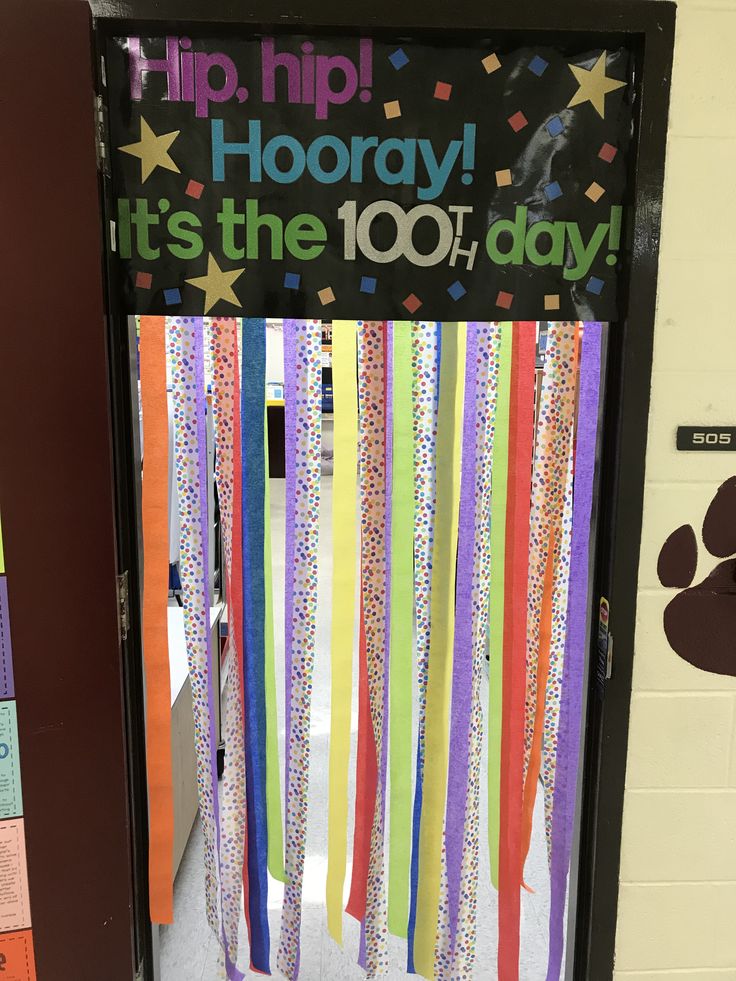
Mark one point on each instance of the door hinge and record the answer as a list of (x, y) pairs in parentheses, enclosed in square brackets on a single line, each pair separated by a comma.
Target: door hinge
[(123, 605), (103, 163)]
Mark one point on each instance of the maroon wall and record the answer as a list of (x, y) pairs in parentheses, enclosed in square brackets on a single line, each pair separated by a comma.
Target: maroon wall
[(56, 497)]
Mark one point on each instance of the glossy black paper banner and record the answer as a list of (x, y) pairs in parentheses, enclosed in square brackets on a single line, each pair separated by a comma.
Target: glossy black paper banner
[(354, 178)]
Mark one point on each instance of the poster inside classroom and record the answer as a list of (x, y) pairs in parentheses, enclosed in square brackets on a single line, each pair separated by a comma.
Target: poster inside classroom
[(356, 177)]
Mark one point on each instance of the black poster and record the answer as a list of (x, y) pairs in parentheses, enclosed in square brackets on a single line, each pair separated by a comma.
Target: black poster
[(353, 178)]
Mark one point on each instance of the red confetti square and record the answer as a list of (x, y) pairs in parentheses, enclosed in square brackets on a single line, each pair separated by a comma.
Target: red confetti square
[(442, 90), (194, 189), (607, 152), (143, 280), (518, 121), (504, 300), (412, 303)]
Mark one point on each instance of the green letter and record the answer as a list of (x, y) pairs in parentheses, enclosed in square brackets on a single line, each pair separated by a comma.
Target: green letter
[(142, 221), (177, 227), (254, 224), (517, 228), (583, 254), (556, 254), (124, 228), (228, 217), (305, 228)]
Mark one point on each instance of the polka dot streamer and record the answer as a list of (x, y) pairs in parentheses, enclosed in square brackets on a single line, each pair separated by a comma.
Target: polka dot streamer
[(186, 349), (223, 354), (303, 341), (548, 509), (374, 572)]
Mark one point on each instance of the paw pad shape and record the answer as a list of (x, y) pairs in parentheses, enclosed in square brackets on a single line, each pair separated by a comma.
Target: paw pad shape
[(700, 622)]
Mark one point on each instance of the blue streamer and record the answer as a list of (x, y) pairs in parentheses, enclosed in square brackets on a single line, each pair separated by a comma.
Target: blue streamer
[(253, 388)]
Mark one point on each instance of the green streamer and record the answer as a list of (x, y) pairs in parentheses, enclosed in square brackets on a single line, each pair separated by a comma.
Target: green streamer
[(273, 786), (402, 631), (496, 600)]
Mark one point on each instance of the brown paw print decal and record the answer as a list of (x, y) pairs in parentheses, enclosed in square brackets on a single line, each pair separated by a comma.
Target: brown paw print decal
[(700, 622)]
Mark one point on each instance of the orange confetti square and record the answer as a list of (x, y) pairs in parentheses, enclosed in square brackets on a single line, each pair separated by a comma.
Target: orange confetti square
[(412, 303), (326, 296), (595, 192), (392, 109), (551, 301), (491, 63), (504, 300), (503, 178)]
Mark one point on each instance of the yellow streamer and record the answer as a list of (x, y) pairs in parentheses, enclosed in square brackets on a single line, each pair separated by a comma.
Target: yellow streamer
[(439, 682), (345, 549)]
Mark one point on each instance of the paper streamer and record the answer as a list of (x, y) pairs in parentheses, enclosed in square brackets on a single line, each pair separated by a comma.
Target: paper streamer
[(463, 949), (497, 592), (226, 413), (426, 348), (273, 783), (402, 630), (186, 352), (155, 527), (462, 659), (521, 440), (441, 644), (568, 749), (252, 398), (303, 391), (548, 546), (345, 538)]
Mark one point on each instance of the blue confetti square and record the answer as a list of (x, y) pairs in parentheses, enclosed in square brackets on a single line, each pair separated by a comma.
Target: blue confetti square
[(367, 284), (399, 58), (538, 66), (292, 281), (172, 297), (552, 191), (456, 290), (595, 285), (555, 126)]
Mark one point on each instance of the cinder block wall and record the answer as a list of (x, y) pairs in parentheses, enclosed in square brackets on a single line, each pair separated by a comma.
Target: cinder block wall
[(677, 899)]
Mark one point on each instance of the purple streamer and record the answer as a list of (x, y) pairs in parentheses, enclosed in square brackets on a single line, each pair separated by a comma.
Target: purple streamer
[(7, 687), (573, 674), (462, 665)]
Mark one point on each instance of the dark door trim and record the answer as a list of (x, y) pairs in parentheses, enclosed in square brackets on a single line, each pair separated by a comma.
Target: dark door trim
[(647, 27)]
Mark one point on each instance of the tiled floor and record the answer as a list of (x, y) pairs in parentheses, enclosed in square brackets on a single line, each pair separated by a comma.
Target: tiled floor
[(190, 952)]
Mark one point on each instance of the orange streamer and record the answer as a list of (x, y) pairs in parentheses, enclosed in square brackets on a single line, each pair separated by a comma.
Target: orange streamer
[(155, 519)]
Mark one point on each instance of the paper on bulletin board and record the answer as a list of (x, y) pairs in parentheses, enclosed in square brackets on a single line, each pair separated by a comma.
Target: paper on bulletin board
[(17, 962), (15, 908), (7, 688), (11, 799)]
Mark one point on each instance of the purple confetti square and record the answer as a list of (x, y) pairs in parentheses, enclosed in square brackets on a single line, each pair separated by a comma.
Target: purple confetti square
[(292, 281), (399, 58), (538, 66), (456, 290), (368, 284), (555, 126), (7, 686), (595, 285), (552, 191), (172, 297)]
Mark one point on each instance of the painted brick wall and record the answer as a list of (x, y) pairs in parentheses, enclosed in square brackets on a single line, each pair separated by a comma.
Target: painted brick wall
[(677, 900)]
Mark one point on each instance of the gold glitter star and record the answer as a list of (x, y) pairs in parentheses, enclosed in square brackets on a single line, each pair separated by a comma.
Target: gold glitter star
[(152, 150), (217, 284), (594, 85)]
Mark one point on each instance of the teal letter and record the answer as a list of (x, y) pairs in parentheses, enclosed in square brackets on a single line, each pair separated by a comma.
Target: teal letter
[(437, 172)]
